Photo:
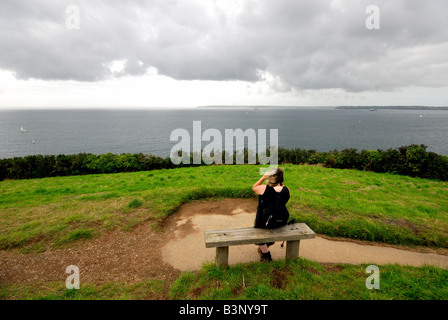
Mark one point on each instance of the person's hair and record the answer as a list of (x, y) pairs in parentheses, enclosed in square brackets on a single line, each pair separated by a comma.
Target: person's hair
[(276, 177)]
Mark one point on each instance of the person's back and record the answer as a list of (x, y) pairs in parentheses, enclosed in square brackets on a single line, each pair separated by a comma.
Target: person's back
[(271, 210)]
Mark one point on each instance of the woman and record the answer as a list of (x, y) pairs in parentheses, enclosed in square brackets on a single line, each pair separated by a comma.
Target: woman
[(271, 195)]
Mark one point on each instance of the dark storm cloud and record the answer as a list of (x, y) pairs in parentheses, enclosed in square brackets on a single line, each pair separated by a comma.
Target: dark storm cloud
[(304, 44)]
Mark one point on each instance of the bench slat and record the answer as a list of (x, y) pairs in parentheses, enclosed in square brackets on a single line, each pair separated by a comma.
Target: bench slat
[(232, 237)]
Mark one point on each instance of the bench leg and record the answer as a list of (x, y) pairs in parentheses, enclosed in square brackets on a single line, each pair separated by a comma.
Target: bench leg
[(292, 249), (222, 256)]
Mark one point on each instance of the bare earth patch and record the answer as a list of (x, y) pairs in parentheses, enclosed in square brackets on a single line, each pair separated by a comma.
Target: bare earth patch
[(144, 253), (117, 256), (186, 249)]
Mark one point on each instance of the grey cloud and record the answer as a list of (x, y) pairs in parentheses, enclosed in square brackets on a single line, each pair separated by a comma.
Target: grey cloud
[(303, 44)]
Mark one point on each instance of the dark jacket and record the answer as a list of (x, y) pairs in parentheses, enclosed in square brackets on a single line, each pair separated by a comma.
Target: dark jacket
[(266, 202)]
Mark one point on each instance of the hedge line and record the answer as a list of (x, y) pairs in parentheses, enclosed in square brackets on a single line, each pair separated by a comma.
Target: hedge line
[(413, 160)]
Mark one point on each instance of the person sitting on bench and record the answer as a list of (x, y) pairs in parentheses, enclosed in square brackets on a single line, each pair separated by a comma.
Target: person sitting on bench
[(271, 210)]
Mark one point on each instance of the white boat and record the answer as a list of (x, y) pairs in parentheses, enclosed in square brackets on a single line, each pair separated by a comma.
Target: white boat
[(23, 130)]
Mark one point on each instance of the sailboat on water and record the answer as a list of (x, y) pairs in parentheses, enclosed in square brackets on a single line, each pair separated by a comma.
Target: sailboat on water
[(23, 130)]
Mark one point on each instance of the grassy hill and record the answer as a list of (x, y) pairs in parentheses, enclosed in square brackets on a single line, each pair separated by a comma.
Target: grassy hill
[(45, 214), (346, 203)]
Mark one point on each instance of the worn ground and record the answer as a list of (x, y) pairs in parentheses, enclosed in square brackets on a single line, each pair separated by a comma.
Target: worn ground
[(178, 245)]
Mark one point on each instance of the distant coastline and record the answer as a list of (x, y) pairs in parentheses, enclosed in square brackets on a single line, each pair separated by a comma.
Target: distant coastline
[(393, 107), (258, 107), (327, 107)]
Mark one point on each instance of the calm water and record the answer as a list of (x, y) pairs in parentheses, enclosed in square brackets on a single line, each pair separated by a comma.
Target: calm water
[(148, 131)]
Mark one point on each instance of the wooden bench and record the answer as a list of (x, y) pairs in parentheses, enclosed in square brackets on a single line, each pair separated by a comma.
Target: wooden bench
[(222, 239)]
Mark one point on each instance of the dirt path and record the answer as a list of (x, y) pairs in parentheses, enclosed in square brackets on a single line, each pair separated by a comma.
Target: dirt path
[(118, 256), (186, 249), (144, 253)]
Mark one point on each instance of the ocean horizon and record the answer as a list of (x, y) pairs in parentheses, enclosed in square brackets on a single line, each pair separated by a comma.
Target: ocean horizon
[(147, 130)]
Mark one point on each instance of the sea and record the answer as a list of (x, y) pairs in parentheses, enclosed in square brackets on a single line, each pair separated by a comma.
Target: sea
[(98, 131)]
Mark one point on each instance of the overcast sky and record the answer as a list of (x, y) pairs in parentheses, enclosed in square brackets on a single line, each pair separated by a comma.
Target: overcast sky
[(186, 53)]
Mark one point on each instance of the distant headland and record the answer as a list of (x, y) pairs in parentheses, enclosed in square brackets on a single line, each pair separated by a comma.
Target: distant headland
[(255, 107), (393, 107), (372, 108)]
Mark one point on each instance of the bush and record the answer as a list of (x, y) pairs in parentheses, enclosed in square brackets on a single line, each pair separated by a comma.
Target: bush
[(416, 159), (295, 156), (411, 160), (371, 160), (437, 167)]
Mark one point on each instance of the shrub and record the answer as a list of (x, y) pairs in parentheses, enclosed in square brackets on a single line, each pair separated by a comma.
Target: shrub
[(411, 160), (437, 167), (371, 160)]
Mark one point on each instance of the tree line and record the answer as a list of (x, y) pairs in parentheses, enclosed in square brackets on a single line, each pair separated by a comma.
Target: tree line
[(413, 160)]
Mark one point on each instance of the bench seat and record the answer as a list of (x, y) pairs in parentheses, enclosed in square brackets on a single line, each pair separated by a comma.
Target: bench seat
[(222, 239)]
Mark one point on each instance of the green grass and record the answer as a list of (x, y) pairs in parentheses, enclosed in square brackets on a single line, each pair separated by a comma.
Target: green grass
[(302, 279), (345, 203), (136, 203), (76, 235), (150, 289), (299, 279), (45, 214)]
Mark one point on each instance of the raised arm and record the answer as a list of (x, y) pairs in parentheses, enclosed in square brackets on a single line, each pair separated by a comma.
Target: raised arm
[(258, 187)]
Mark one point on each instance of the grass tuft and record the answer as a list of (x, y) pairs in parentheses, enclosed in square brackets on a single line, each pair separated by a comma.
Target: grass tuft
[(76, 235), (135, 203)]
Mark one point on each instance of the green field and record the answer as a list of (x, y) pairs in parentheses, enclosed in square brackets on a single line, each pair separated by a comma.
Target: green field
[(279, 280), (46, 214)]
